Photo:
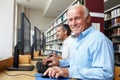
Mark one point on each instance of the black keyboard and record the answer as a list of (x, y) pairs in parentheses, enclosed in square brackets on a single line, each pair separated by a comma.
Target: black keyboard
[(40, 67)]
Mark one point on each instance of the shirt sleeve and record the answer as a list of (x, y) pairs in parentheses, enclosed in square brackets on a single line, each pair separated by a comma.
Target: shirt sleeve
[(102, 66), (64, 63)]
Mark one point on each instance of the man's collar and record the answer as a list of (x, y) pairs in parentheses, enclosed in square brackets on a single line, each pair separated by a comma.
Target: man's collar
[(85, 32)]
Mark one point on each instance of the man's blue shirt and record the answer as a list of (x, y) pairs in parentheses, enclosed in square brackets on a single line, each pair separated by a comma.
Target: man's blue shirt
[(91, 57)]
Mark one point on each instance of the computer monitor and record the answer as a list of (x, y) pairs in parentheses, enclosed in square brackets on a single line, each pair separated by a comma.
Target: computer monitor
[(43, 42), (37, 38), (25, 32), (23, 44), (36, 42)]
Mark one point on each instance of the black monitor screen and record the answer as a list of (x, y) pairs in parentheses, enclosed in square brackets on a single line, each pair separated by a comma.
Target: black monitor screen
[(25, 34), (37, 38), (23, 44)]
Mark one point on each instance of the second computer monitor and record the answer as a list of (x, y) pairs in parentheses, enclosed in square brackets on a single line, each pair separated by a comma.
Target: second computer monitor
[(37, 39)]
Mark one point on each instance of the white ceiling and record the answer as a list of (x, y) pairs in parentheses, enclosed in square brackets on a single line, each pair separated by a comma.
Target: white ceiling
[(51, 8)]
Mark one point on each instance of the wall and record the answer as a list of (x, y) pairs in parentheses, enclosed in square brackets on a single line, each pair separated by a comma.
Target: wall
[(35, 16), (97, 8), (6, 27), (37, 19), (19, 10)]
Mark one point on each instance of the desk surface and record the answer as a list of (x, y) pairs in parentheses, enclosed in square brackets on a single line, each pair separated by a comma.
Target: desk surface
[(3, 76)]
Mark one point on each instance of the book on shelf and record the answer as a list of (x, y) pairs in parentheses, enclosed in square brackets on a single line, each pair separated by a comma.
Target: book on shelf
[(116, 32)]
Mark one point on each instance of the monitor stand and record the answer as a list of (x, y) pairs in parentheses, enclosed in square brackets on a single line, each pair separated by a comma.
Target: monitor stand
[(21, 68), (32, 54), (16, 66)]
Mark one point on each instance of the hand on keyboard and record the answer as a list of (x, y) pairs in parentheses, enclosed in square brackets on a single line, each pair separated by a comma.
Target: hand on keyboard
[(40, 67)]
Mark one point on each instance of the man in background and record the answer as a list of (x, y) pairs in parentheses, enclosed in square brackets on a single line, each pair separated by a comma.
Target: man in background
[(63, 34)]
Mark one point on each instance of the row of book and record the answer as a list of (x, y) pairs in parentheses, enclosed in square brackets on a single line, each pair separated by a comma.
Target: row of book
[(113, 22), (51, 38), (116, 47), (54, 47), (116, 32), (112, 14), (51, 33), (57, 22)]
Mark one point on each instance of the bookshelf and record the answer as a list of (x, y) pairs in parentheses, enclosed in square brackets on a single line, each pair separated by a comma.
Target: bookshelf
[(112, 29)]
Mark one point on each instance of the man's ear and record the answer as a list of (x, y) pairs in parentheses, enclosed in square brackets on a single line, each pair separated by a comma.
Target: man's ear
[(65, 31), (88, 18)]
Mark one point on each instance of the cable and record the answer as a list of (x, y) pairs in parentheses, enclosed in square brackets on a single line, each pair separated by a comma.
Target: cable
[(31, 64), (20, 74), (17, 74)]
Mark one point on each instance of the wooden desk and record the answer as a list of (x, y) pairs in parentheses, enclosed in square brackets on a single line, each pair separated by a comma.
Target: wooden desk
[(3, 76), (19, 77)]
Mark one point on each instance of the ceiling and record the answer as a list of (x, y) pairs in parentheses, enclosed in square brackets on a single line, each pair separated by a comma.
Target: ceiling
[(51, 8)]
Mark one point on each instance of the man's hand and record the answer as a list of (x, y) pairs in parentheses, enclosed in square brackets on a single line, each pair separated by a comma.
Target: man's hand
[(55, 72), (54, 61)]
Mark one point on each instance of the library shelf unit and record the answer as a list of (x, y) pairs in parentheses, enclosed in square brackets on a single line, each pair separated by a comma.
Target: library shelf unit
[(54, 45), (112, 30)]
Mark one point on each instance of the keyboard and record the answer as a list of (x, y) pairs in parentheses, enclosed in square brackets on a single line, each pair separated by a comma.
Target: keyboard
[(40, 67)]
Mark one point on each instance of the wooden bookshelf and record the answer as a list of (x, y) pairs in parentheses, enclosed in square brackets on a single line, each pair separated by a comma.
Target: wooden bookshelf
[(112, 29)]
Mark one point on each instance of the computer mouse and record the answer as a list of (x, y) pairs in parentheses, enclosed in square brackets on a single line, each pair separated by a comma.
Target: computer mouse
[(60, 77), (44, 76)]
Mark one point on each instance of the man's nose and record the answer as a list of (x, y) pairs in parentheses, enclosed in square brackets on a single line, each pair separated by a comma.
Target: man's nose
[(73, 22)]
